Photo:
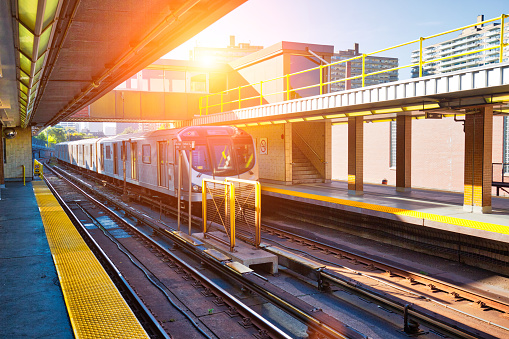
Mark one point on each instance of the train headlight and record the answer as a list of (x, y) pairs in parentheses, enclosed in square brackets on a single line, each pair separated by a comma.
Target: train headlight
[(196, 188)]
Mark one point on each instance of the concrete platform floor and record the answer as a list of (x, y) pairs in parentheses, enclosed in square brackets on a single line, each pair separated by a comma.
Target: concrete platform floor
[(31, 301)]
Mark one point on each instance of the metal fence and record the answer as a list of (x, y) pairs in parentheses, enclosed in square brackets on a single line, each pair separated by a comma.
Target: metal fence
[(247, 210), (218, 209), (235, 206)]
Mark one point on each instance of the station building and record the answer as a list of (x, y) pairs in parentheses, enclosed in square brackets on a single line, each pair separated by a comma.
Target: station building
[(300, 150)]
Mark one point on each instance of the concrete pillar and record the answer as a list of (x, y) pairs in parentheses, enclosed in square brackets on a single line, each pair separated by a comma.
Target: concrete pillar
[(288, 154), (2, 179), (355, 155), (328, 151), (478, 160), (403, 153)]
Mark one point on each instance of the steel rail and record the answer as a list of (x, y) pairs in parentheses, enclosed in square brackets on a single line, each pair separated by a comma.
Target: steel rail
[(435, 284), (242, 309), (316, 320), (149, 320)]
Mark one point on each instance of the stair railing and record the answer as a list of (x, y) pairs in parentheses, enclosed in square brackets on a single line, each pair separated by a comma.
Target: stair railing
[(303, 141)]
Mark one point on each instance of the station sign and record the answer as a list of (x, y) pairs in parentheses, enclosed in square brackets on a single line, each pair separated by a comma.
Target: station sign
[(184, 145), (431, 115), (263, 146)]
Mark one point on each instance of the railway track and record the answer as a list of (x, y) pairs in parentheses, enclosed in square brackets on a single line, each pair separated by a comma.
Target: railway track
[(455, 311), (317, 322)]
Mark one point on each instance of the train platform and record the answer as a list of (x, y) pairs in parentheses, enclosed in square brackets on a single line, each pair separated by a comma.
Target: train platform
[(52, 284), (430, 208)]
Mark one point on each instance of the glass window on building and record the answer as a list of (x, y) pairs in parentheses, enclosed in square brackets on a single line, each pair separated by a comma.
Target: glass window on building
[(392, 160), (154, 79), (197, 82), (174, 81), (506, 145)]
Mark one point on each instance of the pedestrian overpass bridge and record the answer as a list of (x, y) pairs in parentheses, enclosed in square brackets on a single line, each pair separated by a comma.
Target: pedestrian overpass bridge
[(447, 93)]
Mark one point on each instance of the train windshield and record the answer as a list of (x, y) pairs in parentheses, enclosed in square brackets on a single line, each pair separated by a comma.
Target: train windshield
[(223, 157)]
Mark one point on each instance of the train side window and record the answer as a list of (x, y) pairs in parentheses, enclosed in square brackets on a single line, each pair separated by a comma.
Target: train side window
[(145, 154), (108, 152), (102, 158)]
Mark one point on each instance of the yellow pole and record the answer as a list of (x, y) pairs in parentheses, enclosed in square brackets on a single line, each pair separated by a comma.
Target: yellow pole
[(421, 39), (321, 79), (258, 214), (232, 217), (204, 205), (363, 69), (502, 39), (261, 93), (287, 87), (23, 174)]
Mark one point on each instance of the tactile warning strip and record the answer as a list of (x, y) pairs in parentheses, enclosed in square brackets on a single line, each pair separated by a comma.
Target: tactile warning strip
[(95, 306), (396, 211)]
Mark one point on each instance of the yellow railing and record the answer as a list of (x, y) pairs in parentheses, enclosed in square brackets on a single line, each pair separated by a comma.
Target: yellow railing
[(206, 105)]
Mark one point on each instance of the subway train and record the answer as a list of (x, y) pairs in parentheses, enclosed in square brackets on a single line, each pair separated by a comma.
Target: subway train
[(152, 162)]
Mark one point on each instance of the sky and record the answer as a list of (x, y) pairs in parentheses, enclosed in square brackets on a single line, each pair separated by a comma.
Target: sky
[(373, 24)]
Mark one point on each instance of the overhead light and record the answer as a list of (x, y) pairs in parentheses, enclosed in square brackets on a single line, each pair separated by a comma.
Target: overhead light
[(252, 124), (279, 122), (295, 120), (333, 116), (339, 123), (263, 123), (380, 120), (502, 98), (388, 110), (240, 125), (356, 114), (314, 118), (421, 107)]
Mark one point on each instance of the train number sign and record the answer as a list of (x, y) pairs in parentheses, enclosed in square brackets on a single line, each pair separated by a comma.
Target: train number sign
[(184, 145)]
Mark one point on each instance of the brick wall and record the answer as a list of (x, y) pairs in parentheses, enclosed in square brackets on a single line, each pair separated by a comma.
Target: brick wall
[(19, 152), (271, 165), (437, 152)]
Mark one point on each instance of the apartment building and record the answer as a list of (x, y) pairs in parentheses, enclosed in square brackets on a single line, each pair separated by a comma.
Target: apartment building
[(372, 64)]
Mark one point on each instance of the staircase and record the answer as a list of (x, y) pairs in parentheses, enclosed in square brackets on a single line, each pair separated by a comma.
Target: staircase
[(303, 170)]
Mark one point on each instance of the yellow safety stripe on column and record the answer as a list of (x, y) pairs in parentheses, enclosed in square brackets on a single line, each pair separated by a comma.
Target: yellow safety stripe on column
[(96, 308), (485, 226)]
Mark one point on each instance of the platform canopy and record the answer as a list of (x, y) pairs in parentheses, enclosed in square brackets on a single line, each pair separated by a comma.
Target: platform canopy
[(58, 56)]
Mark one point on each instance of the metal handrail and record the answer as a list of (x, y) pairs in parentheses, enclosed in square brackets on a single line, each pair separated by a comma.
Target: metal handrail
[(204, 107), (310, 148), (503, 172)]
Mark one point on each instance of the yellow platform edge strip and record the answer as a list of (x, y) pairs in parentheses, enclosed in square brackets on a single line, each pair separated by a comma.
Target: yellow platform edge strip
[(95, 306), (485, 226)]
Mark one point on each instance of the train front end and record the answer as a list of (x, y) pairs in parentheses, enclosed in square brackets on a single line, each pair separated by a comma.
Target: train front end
[(220, 152)]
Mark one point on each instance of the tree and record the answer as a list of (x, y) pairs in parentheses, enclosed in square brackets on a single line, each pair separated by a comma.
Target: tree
[(129, 130), (56, 135)]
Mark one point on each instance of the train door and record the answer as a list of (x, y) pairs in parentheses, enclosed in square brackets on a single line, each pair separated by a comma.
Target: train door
[(162, 160), (115, 158), (134, 164), (102, 156), (82, 155), (90, 166), (175, 167)]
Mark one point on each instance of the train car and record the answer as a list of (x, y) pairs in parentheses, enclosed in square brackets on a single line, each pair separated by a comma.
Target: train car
[(149, 159)]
